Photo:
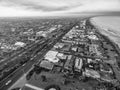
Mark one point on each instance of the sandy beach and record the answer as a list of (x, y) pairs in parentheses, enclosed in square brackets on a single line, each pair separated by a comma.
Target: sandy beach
[(108, 26)]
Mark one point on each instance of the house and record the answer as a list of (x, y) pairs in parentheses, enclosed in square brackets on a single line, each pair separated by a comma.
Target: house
[(89, 60), (74, 49), (93, 37)]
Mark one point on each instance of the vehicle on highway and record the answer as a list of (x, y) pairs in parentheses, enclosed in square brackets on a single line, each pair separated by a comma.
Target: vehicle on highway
[(8, 82)]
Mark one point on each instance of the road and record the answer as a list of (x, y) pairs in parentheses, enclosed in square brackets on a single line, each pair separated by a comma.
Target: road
[(17, 73), (38, 51), (20, 52), (77, 54)]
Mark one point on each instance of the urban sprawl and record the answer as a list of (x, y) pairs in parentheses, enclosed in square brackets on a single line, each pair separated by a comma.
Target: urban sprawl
[(57, 54)]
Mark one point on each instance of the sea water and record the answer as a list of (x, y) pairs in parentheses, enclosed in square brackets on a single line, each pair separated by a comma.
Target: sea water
[(109, 26)]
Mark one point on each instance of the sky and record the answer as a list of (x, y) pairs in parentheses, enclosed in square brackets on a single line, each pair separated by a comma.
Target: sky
[(12, 8)]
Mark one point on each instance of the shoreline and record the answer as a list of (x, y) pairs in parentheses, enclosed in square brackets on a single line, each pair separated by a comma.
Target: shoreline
[(115, 66), (115, 45)]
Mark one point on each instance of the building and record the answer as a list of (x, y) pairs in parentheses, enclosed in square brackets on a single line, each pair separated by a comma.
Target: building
[(91, 73), (39, 33), (20, 44), (94, 49), (105, 68), (66, 47), (52, 29), (93, 37), (68, 64), (58, 45), (44, 34), (62, 56), (78, 64), (89, 60), (47, 65), (74, 49), (51, 56)]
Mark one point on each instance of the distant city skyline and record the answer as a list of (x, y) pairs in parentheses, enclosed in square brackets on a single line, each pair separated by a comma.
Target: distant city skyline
[(12, 8)]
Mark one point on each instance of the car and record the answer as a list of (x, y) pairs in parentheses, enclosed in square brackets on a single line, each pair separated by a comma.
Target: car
[(8, 82)]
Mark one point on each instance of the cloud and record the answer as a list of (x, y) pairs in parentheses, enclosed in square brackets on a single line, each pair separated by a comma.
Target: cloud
[(43, 5), (36, 7), (56, 7)]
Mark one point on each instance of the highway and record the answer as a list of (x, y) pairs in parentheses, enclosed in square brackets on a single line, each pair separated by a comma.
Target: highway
[(21, 52), (18, 73), (38, 50)]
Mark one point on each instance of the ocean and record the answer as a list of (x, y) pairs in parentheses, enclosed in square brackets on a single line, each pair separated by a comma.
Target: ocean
[(108, 26)]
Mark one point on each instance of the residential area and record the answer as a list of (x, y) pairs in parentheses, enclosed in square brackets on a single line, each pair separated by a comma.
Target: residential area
[(81, 60), (57, 54)]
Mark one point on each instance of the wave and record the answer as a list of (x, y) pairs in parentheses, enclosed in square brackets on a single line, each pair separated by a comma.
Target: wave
[(107, 28)]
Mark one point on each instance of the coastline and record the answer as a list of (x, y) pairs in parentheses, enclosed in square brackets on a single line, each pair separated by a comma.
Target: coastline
[(115, 45), (115, 66)]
